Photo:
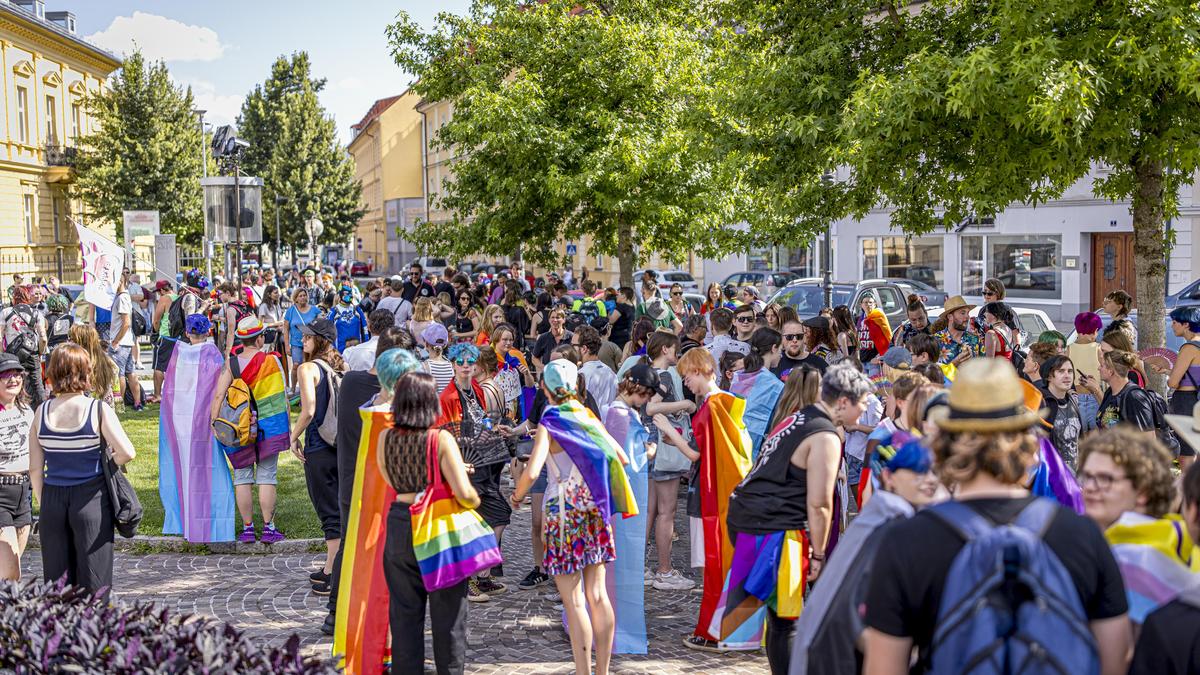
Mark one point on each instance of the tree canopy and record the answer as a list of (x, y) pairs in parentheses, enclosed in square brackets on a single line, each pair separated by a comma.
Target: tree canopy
[(571, 119), (943, 110), (146, 153), (294, 149)]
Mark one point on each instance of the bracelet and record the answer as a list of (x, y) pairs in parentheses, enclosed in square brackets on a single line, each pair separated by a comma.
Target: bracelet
[(819, 557)]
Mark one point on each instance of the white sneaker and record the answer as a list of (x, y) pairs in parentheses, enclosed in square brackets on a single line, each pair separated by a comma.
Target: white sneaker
[(673, 581)]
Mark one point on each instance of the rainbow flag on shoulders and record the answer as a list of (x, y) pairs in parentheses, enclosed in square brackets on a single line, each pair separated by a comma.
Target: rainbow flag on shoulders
[(361, 638), (594, 452), (264, 375)]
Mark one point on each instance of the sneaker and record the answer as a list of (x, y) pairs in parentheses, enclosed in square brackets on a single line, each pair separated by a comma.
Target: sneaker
[(322, 588), (271, 535), (648, 578), (473, 592), (698, 643), (247, 536), (534, 579), (673, 581), (319, 577), (489, 586)]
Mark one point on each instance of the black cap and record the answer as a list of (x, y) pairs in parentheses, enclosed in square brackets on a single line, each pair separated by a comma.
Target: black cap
[(821, 322), (323, 328), (9, 362), (644, 376)]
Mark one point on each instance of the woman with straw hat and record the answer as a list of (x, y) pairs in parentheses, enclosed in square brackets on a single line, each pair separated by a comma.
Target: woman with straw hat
[(986, 452)]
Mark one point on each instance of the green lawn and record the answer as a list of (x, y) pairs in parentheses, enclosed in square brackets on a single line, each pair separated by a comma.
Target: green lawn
[(294, 512)]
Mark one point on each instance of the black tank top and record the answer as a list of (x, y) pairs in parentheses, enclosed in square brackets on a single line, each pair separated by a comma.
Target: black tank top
[(774, 495)]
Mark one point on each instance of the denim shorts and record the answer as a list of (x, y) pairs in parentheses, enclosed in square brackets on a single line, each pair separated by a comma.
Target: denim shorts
[(262, 473), (123, 357), (1089, 407), (539, 485), (854, 469), (297, 355)]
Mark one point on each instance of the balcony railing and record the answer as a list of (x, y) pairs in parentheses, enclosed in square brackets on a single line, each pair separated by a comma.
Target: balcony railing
[(60, 155)]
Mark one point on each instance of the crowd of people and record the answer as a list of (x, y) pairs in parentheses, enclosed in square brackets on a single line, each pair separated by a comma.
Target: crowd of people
[(860, 497)]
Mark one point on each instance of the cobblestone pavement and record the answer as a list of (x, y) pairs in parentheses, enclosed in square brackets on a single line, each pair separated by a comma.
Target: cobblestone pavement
[(517, 632)]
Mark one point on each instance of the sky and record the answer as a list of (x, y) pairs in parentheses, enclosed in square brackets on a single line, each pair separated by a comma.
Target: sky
[(223, 48)]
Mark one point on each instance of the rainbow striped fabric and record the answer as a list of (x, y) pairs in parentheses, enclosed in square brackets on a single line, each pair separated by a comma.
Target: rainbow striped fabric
[(594, 452), (450, 542), (361, 635), (264, 375), (767, 571), (1157, 560), (193, 480)]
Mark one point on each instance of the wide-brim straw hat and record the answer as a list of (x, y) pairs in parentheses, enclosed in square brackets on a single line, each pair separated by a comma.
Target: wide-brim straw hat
[(955, 303), (988, 397), (1187, 426)]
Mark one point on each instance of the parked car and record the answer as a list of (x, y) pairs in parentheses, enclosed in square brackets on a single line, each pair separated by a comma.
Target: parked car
[(694, 299), (668, 278), (807, 296), (1189, 295), (766, 282), (929, 295), (1172, 342), (359, 268), (1033, 322)]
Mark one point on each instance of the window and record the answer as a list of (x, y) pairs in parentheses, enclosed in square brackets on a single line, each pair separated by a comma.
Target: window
[(27, 216), (76, 123), (870, 258), (51, 121), (913, 258), (889, 300), (56, 212), (22, 115), (1027, 265)]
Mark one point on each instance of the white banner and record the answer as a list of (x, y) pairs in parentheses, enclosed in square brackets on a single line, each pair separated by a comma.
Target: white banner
[(102, 263)]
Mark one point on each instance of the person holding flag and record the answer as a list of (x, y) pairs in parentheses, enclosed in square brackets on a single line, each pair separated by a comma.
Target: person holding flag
[(587, 485)]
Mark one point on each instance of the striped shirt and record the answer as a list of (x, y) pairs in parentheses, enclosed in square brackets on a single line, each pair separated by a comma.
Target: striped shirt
[(72, 455)]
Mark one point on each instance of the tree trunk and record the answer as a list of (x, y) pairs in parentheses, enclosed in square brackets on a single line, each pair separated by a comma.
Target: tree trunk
[(1149, 263), (625, 257)]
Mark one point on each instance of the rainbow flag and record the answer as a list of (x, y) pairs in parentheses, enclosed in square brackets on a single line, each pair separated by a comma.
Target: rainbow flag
[(626, 580), (361, 635), (761, 389), (594, 452), (194, 483), (264, 374), (1157, 560), (767, 571), (724, 449)]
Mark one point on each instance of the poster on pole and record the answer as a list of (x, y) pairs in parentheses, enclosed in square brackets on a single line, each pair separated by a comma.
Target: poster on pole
[(226, 223), (139, 224), (102, 263), (166, 258)]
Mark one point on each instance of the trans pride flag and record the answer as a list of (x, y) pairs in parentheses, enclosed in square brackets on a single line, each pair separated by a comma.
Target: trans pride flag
[(264, 375), (1157, 559), (361, 635), (194, 483), (594, 452), (761, 389), (626, 580)]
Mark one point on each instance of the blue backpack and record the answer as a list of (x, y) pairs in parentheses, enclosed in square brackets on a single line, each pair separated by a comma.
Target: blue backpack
[(1009, 605)]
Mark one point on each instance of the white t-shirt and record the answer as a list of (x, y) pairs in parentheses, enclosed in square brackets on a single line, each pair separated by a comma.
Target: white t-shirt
[(856, 441), (399, 307), (14, 439), (601, 384), (361, 357), (123, 307)]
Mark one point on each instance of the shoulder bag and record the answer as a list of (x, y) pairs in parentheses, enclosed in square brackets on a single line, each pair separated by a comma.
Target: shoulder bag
[(127, 509)]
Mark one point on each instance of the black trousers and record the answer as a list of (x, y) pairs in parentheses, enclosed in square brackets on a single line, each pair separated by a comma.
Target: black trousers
[(406, 609), (321, 477), (77, 534), (779, 642)]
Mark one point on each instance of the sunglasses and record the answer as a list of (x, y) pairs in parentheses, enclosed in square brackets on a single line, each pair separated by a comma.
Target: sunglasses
[(793, 336), (12, 375), (745, 319), (464, 362), (989, 294), (676, 293)]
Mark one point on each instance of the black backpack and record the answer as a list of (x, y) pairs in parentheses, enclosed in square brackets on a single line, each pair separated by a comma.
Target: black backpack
[(139, 322), (1158, 408), (58, 327), (25, 344), (176, 320)]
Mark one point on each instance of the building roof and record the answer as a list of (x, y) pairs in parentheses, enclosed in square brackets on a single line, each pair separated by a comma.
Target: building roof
[(376, 110), (28, 19)]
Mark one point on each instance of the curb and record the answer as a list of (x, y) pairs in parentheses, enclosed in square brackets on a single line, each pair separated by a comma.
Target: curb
[(144, 544)]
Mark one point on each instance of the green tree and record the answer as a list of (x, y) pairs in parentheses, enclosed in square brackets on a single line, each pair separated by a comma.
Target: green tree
[(946, 109), (294, 149), (146, 153), (571, 119)]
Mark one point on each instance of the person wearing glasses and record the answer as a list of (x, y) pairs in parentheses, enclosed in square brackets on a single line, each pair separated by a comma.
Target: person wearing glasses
[(795, 352), (1128, 490), (680, 307), (16, 512), (745, 319), (416, 286)]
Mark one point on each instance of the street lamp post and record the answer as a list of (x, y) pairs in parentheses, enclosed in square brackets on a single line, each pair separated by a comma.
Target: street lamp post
[(278, 201), (205, 243), (827, 252)]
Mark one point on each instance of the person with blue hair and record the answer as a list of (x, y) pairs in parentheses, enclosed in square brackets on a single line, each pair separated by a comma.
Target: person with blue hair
[(1185, 374)]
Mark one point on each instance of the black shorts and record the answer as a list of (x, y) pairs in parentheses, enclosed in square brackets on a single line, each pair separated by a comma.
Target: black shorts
[(1182, 403), (16, 509), (162, 353), (493, 506)]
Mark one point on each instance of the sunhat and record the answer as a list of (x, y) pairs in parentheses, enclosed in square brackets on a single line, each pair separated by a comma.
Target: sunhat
[(987, 397), (955, 303), (249, 327)]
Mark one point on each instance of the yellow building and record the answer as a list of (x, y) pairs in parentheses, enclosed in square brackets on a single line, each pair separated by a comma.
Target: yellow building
[(47, 71), (387, 148)]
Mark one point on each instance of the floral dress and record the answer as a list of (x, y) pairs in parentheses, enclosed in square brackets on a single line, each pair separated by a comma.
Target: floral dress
[(574, 532)]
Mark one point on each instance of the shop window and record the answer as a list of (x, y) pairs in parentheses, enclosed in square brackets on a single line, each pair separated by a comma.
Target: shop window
[(1028, 266), (972, 265), (914, 258), (870, 258)]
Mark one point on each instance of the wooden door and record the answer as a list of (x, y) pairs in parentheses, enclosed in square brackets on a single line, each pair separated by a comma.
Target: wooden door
[(1112, 265)]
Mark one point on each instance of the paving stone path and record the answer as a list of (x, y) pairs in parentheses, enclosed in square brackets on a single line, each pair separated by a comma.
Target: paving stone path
[(517, 632)]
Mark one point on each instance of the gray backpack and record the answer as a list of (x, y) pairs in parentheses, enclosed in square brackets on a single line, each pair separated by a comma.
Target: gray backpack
[(328, 428)]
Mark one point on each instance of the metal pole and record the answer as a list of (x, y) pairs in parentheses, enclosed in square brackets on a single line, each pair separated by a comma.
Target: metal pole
[(237, 210), (205, 243), (278, 201), (827, 251)]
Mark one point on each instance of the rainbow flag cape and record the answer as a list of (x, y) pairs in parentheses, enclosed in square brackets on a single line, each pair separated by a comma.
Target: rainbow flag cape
[(626, 587), (1156, 557), (361, 635), (761, 389), (724, 449), (194, 483), (594, 452), (767, 571), (1054, 480), (264, 374)]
